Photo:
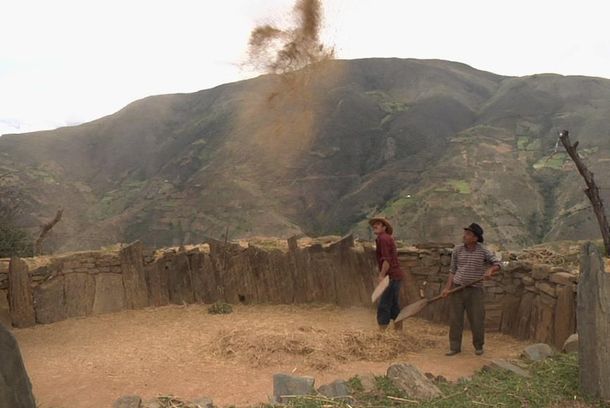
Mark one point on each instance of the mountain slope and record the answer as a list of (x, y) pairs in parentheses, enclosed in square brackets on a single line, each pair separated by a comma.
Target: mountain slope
[(432, 144)]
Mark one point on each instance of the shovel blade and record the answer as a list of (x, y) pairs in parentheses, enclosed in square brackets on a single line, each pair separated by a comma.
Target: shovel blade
[(411, 310), (381, 287)]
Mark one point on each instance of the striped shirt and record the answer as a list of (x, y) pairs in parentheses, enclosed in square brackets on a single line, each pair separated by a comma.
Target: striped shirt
[(469, 265)]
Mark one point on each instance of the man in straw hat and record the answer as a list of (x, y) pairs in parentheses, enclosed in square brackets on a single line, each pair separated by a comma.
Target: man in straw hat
[(469, 262), (387, 259)]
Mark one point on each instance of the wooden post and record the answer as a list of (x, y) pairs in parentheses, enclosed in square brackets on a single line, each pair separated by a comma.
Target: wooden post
[(592, 191), (593, 322), (21, 305)]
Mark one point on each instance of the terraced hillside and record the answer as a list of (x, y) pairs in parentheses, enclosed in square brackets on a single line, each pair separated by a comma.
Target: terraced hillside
[(432, 144)]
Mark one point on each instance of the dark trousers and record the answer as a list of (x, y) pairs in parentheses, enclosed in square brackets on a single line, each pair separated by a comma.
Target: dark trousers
[(472, 301), (389, 304)]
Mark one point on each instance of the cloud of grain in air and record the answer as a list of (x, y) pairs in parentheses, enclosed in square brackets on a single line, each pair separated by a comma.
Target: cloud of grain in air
[(279, 112)]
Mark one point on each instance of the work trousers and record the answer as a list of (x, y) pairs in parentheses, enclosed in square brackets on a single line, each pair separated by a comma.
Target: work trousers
[(472, 301)]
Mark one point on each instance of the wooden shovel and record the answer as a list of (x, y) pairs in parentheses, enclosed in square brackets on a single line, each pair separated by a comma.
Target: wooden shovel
[(416, 307), (381, 287)]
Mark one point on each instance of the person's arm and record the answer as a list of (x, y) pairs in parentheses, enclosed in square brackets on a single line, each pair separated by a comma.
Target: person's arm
[(452, 270), (491, 259)]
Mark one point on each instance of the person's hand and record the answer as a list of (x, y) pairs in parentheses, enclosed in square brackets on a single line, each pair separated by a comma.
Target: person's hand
[(489, 274), (445, 292)]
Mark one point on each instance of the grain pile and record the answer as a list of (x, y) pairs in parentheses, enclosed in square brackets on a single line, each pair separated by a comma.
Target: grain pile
[(316, 348)]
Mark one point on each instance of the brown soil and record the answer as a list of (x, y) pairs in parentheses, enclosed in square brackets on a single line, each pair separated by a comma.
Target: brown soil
[(89, 362)]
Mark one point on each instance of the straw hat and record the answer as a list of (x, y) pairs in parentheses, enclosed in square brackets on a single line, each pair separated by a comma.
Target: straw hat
[(388, 226)]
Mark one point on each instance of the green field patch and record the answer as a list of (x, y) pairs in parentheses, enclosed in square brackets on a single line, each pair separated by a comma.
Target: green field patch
[(401, 204), (462, 186), (555, 161), (393, 106)]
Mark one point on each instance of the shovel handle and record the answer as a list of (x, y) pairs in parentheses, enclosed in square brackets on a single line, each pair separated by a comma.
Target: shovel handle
[(456, 289)]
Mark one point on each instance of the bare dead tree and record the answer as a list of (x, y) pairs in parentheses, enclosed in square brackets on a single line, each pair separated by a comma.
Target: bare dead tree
[(592, 191), (44, 230)]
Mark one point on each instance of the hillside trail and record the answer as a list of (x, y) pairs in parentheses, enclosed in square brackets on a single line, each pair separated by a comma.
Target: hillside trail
[(189, 353)]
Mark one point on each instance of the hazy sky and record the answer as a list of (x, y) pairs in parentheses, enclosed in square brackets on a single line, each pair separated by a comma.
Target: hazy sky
[(64, 62)]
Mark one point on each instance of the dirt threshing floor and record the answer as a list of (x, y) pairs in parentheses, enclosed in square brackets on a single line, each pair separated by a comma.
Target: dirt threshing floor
[(186, 352)]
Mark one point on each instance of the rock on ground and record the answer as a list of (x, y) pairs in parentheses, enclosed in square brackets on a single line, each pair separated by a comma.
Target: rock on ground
[(507, 366), (368, 382), (203, 403), (197, 403), (537, 352), (15, 386), (571, 344), (336, 389), (412, 381), (128, 401), (289, 385)]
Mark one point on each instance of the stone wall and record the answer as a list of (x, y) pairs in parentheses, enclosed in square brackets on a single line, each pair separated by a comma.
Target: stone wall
[(527, 301)]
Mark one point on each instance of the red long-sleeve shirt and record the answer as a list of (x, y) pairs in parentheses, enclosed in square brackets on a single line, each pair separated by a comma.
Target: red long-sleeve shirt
[(386, 251)]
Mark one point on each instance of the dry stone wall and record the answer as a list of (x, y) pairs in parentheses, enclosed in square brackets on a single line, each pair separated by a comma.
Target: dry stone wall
[(527, 301)]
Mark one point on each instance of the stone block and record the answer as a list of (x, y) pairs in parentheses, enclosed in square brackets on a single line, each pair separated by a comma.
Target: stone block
[(79, 291), (21, 301), (109, 293), (337, 389), (49, 301), (541, 272), (285, 386), (537, 352), (546, 288), (128, 401), (565, 315), (412, 381), (527, 280), (368, 382), (563, 278)]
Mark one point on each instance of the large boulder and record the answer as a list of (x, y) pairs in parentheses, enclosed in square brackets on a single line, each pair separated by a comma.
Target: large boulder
[(415, 384), (336, 389), (285, 385), (571, 344), (537, 352), (15, 386)]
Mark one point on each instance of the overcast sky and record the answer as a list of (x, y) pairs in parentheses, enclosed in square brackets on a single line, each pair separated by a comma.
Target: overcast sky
[(65, 62)]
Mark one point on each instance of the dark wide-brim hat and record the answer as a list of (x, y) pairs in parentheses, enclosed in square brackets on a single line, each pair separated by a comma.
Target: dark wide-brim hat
[(476, 230), (388, 226)]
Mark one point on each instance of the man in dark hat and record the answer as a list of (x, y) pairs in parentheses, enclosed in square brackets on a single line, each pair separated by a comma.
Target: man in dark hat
[(469, 262), (387, 259)]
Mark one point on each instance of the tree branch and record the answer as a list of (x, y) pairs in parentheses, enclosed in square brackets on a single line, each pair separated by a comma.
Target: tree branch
[(592, 190), (44, 230)]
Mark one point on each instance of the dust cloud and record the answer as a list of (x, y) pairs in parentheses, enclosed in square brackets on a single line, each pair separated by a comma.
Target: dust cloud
[(283, 50), (278, 114)]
